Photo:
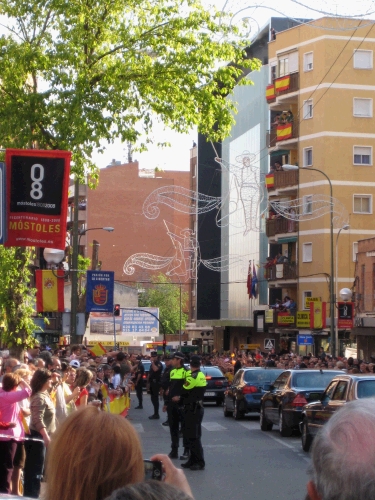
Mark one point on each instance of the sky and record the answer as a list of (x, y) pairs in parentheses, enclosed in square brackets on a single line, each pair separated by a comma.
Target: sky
[(256, 15)]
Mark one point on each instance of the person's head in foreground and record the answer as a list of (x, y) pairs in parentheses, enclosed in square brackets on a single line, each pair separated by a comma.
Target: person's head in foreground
[(92, 454), (149, 490), (343, 455)]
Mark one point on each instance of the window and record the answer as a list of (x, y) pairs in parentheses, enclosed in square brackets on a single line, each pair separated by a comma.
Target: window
[(293, 62), (273, 73), (355, 251), (307, 252), (362, 155), (362, 59), (362, 203), (340, 392), (308, 61), (306, 294), (307, 204), (283, 66), (362, 107), (307, 157), (307, 109)]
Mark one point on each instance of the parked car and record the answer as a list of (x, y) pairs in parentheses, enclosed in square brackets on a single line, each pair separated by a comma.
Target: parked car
[(216, 384), (146, 364), (290, 392), (246, 390), (342, 388)]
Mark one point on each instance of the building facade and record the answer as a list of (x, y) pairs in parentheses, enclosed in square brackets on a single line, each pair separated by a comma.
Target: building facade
[(320, 95)]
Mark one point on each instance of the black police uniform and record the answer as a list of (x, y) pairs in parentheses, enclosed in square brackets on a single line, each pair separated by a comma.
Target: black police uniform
[(192, 396), (164, 384), (154, 382), (177, 380)]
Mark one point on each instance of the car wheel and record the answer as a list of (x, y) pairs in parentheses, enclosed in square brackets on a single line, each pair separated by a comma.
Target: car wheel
[(227, 413), (285, 431), (264, 424), (237, 413), (306, 436)]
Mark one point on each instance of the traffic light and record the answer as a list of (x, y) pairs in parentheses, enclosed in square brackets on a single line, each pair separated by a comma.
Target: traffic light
[(164, 343), (185, 342), (116, 310)]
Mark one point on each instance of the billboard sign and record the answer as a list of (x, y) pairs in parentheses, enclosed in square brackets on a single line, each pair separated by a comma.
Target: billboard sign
[(37, 197), (345, 314), (99, 291), (140, 321)]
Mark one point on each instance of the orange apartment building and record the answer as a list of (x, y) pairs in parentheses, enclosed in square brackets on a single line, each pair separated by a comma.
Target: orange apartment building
[(323, 72)]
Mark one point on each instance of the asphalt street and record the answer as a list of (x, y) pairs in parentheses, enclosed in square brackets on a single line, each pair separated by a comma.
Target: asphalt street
[(241, 460)]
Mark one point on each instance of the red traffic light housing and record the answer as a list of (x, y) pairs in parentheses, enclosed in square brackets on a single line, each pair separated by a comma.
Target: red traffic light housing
[(116, 310)]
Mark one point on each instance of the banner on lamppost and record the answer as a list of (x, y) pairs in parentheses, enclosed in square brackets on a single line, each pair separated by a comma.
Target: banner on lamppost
[(37, 197), (345, 314), (3, 231), (99, 291)]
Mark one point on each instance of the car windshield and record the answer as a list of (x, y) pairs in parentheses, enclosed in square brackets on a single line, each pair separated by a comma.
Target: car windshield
[(366, 389), (212, 371), (261, 375), (309, 380), (146, 364)]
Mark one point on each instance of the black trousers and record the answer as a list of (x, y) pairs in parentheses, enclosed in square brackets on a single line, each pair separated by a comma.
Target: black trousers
[(174, 419), (7, 452), (193, 433), (139, 393), (34, 466), (154, 390)]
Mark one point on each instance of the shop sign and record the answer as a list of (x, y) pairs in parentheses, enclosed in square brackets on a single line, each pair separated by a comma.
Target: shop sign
[(303, 319)]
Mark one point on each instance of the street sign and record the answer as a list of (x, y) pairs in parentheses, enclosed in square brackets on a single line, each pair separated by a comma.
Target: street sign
[(345, 314), (2, 204), (305, 339), (137, 320), (249, 347), (269, 343), (311, 299), (303, 319)]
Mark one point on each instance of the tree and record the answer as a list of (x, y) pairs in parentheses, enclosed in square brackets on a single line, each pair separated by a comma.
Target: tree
[(165, 294), (77, 74)]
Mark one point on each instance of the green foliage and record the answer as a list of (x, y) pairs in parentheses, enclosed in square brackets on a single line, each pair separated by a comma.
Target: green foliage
[(165, 294), (16, 298), (77, 74)]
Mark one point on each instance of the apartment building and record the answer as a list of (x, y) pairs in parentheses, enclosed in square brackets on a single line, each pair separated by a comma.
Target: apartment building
[(320, 96)]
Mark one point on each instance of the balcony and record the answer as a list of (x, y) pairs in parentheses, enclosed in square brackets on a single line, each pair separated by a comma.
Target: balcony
[(286, 84), (282, 86), (280, 226), (281, 133), (285, 271)]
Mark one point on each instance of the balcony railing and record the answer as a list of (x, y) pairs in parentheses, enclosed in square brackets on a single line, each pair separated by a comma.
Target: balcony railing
[(286, 178), (283, 132), (280, 226), (283, 319), (285, 271), (281, 86)]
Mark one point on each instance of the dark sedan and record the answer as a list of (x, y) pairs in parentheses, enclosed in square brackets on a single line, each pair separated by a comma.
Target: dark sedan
[(216, 384), (246, 391), (343, 388), (290, 392)]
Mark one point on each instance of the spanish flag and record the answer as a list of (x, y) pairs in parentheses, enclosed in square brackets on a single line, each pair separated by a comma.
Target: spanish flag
[(270, 181), (284, 132), (270, 92), (318, 313), (49, 291), (282, 83), (97, 350)]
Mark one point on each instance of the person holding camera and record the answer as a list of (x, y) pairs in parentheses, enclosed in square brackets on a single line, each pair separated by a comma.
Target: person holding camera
[(192, 397), (154, 377)]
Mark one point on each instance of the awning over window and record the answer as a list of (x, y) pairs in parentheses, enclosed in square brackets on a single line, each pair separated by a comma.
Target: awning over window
[(280, 152), (292, 239)]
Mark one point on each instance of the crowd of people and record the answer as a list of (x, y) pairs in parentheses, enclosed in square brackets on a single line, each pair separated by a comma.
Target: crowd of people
[(48, 403)]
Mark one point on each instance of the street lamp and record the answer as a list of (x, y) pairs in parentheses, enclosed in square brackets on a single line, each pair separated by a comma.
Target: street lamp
[(345, 227), (74, 289), (331, 284)]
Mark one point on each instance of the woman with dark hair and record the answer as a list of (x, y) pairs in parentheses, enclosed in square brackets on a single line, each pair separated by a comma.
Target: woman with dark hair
[(83, 378), (42, 425), (10, 413)]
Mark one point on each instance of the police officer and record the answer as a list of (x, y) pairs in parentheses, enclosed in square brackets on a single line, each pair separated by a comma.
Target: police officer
[(165, 382), (192, 397), (177, 380), (154, 376)]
